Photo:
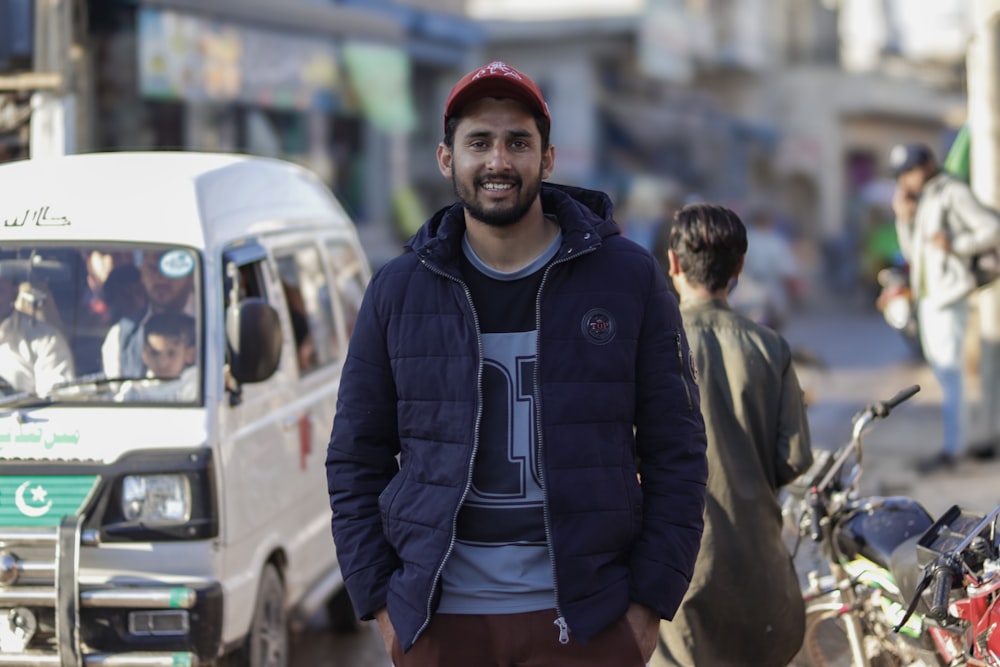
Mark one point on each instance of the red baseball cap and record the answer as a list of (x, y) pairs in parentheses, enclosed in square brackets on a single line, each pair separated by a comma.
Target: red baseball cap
[(497, 79)]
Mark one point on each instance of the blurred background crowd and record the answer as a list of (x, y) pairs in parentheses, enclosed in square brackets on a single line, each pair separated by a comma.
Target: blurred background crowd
[(784, 110)]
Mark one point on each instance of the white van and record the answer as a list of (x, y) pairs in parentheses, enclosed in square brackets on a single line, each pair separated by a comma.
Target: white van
[(172, 331)]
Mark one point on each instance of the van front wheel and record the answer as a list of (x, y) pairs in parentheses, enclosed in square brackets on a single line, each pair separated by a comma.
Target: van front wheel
[(267, 643)]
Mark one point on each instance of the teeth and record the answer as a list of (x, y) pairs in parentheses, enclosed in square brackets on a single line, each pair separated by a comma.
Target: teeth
[(497, 186)]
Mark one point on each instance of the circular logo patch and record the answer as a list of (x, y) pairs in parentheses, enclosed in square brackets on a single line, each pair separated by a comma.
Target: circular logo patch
[(176, 263), (598, 326)]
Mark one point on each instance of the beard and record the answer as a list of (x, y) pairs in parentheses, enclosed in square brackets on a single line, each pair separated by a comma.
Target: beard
[(498, 216)]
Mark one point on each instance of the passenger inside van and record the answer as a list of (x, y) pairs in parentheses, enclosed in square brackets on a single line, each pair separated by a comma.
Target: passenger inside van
[(169, 352), (124, 294), (34, 354), (169, 289)]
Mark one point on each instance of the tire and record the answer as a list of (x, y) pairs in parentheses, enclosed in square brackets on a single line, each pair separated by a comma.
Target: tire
[(267, 641), (826, 644)]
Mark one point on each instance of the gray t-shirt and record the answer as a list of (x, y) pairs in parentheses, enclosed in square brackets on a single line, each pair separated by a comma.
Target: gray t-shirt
[(500, 563)]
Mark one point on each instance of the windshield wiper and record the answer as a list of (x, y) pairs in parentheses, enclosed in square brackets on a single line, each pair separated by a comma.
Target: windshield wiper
[(94, 379), (23, 399)]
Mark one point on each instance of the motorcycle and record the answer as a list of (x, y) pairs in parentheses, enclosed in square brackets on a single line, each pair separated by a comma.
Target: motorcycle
[(856, 611), (958, 561)]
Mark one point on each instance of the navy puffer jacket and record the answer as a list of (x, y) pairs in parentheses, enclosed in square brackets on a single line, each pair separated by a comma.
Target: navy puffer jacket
[(614, 387)]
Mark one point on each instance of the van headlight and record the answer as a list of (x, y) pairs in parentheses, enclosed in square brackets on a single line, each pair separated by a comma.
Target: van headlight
[(156, 499), (156, 496)]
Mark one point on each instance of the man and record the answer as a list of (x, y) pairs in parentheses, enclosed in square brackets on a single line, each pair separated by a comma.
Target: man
[(34, 355), (744, 606), (940, 226), (770, 278), (524, 362), (168, 281)]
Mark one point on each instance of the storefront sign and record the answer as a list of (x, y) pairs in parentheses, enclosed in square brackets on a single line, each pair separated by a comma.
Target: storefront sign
[(187, 57)]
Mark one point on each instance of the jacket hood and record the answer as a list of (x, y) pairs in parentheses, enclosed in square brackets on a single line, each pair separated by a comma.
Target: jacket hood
[(579, 211)]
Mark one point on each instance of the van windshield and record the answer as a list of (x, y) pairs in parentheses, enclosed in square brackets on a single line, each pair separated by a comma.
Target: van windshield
[(117, 323)]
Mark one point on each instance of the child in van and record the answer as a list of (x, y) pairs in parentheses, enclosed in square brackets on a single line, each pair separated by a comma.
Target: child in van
[(169, 353)]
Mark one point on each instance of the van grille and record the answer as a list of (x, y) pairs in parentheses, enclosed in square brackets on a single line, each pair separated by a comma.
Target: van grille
[(41, 598)]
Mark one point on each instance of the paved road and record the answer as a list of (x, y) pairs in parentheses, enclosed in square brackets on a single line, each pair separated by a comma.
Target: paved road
[(316, 646), (868, 362)]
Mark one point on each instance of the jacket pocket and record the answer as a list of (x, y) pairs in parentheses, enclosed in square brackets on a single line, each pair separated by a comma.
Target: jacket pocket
[(386, 499)]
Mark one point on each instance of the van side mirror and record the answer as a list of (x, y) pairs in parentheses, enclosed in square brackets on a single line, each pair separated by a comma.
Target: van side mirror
[(253, 332)]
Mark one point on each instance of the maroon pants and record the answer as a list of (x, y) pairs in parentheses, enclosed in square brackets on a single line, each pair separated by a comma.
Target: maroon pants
[(515, 640)]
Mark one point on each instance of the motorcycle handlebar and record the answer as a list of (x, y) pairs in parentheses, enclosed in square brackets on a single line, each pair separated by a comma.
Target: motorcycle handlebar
[(883, 408), (940, 592)]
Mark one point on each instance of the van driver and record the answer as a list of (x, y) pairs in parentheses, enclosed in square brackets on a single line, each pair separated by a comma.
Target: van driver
[(121, 351)]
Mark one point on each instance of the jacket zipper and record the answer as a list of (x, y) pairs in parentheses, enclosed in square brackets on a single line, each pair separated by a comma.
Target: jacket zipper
[(560, 621), (475, 443), (680, 357)]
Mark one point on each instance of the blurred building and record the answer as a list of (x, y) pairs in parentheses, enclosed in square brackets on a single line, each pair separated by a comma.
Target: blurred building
[(338, 86), (795, 102)]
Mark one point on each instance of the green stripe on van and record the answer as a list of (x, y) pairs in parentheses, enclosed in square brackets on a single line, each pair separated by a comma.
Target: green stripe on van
[(42, 500)]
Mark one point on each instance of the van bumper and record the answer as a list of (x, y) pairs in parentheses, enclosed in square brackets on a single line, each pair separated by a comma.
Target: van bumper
[(65, 622), (174, 626), (171, 621)]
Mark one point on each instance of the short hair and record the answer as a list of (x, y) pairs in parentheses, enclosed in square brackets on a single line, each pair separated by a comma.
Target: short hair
[(710, 241), (170, 325), (544, 129)]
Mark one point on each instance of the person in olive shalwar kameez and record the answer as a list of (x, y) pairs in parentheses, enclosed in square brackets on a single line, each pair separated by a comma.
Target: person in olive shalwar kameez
[(744, 606)]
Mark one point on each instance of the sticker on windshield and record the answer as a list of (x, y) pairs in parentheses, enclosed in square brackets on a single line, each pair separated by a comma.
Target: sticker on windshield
[(177, 263)]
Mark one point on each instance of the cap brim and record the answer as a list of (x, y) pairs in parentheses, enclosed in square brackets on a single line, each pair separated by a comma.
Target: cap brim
[(499, 88)]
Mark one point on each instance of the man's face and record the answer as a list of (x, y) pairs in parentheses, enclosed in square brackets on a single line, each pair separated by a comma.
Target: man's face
[(912, 180), (167, 356), (165, 294), (497, 163)]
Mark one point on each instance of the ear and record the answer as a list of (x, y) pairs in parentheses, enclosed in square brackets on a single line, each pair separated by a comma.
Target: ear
[(444, 159), (548, 161), (675, 264)]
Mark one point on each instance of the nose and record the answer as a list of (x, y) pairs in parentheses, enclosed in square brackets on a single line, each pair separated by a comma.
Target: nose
[(499, 159)]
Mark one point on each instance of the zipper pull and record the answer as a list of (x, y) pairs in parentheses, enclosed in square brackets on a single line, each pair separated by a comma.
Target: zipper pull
[(563, 630)]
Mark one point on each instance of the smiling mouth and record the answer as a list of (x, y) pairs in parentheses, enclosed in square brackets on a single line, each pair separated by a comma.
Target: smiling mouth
[(493, 186)]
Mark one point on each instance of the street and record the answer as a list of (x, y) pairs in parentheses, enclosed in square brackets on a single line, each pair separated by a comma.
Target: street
[(866, 361), (316, 646), (869, 361)]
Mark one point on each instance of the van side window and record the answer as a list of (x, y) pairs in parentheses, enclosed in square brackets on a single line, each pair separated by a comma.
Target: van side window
[(250, 283), (307, 295), (349, 278)]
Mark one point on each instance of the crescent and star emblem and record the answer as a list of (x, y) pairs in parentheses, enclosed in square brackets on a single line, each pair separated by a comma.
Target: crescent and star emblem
[(38, 495)]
